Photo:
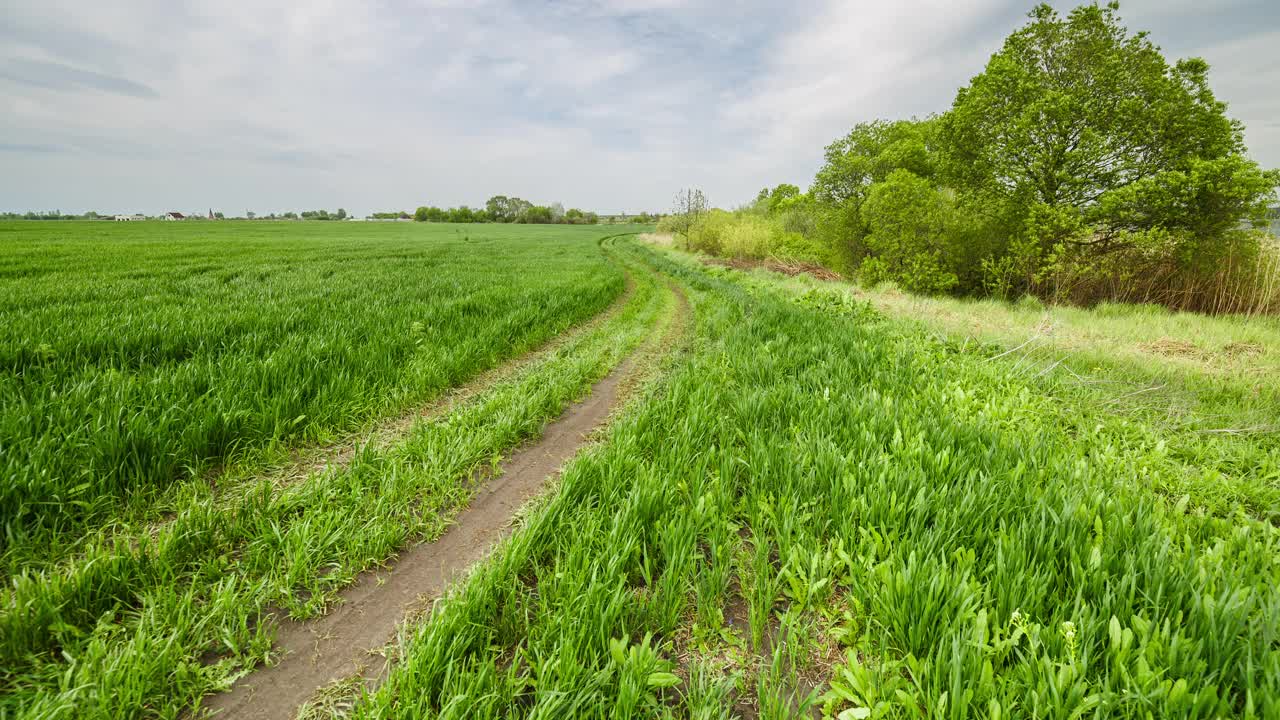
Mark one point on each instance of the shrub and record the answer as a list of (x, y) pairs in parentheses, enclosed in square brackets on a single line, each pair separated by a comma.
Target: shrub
[(908, 222), (1030, 303)]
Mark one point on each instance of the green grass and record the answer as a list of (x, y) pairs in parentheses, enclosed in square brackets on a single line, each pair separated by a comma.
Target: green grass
[(1207, 389), (145, 621), (135, 356), (899, 525), (819, 506)]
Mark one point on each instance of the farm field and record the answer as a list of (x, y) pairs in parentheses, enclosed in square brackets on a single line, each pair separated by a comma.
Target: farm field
[(805, 505), (179, 566), (156, 351), (824, 510)]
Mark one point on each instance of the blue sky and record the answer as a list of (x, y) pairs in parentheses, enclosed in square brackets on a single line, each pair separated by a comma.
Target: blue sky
[(608, 105)]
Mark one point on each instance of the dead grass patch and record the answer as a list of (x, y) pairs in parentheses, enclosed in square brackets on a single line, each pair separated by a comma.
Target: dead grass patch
[(1242, 349), (1171, 347), (790, 268)]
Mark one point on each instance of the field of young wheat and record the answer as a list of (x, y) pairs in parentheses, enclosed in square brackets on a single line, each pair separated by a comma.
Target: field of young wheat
[(800, 508)]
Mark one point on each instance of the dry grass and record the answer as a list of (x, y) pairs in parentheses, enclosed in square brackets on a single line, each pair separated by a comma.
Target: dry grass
[(1225, 345), (785, 267), (665, 240)]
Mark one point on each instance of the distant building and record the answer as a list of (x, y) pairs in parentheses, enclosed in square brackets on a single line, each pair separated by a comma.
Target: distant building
[(130, 218), (174, 216)]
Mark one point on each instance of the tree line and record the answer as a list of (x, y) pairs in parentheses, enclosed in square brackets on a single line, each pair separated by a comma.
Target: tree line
[(504, 209), (1080, 165)]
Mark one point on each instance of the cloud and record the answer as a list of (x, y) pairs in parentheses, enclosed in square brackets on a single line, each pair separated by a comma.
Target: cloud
[(57, 76), (30, 148), (604, 104)]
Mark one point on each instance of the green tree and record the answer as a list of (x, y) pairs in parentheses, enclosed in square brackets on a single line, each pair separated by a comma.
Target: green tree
[(537, 215), (503, 209), (781, 195), (496, 206), (1073, 108), (868, 154), (909, 223), (461, 214), (1100, 164)]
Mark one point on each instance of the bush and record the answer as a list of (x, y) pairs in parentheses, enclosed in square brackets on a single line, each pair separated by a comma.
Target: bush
[(747, 237), (1030, 303), (909, 223), (795, 247)]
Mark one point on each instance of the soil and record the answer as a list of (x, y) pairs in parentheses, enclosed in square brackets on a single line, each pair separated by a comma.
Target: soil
[(350, 642)]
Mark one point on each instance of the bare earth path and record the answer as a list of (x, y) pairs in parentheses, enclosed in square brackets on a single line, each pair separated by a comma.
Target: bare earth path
[(348, 641)]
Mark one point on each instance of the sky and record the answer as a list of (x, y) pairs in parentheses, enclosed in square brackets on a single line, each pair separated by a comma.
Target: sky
[(608, 105)]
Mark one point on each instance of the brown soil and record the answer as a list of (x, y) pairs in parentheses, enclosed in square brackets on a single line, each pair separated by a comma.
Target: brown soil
[(786, 267), (350, 641)]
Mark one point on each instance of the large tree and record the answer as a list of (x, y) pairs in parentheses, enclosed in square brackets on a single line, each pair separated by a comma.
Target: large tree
[(1074, 108)]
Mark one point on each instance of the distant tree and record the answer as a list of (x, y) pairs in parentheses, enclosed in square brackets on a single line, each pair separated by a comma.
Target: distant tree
[(573, 216), (461, 214), (537, 215), (250, 214), (690, 205), (219, 216), (496, 206), (503, 209), (341, 215)]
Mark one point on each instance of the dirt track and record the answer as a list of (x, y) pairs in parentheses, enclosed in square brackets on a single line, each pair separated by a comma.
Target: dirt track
[(347, 643)]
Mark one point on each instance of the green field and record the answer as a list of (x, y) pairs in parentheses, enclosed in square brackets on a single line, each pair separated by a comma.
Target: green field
[(811, 507), (137, 356)]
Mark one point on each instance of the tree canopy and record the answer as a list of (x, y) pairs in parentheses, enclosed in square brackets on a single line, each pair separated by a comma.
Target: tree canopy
[(1079, 161)]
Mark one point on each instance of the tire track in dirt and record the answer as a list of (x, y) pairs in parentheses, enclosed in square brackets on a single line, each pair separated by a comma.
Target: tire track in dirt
[(346, 646)]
